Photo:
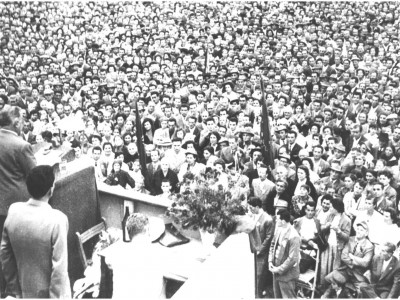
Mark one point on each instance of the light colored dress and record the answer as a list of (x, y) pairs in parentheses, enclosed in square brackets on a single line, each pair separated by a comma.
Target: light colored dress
[(330, 258)]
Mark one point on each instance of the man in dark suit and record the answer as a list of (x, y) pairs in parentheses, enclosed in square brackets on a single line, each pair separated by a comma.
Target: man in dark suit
[(27, 134), (164, 173), (34, 252), (356, 138), (193, 130), (385, 275), (153, 167), (293, 147), (284, 256), (16, 160), (233, 152)]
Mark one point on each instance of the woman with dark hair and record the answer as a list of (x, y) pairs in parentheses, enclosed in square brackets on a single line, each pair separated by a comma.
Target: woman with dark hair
[(303, 178), (299, 116), (211, 141), (336, 233), (208, 156), (306, 161), (385, 177), (349, 181), (298, 204), (119, 176), (127, 138), (390, 227), (148, 131), (370, 177), (389, 156), (310, 143), (382, 121)]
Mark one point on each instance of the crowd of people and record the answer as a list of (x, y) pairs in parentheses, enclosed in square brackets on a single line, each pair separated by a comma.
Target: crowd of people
[(331, 71)]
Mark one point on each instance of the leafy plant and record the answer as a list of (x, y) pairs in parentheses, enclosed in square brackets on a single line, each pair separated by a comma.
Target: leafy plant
[(206, 206)]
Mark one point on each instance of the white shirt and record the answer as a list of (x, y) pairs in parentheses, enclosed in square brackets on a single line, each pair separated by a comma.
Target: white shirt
[(137, 271), (308, 229), (386, 263)]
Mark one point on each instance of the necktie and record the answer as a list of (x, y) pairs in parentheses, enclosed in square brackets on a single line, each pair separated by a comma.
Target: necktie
[(355, 248)]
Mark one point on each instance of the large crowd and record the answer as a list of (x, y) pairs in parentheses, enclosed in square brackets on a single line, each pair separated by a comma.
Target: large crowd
[(331, 72)]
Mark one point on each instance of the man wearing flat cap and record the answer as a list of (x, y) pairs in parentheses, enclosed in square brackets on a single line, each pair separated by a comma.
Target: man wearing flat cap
[(355, 259)]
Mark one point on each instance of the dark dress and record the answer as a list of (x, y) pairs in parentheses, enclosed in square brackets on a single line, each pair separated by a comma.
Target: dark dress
[(121, 178)]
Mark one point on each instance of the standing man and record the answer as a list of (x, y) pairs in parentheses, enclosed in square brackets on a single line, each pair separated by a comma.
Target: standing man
[(34, 253), (16, 160), (262, 186), (260, 240), (284, 257)]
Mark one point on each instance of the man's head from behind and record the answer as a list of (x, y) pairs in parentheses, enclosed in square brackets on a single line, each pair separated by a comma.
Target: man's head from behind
[(40, 182), (11, 118), (137, 224)]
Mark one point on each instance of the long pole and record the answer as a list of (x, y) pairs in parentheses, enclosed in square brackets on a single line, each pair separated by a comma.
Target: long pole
[(265, 131)]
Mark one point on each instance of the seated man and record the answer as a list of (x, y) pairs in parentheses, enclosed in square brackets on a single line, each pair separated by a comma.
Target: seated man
[(137, 267), (355, 259), (338, 289), (385, 275)]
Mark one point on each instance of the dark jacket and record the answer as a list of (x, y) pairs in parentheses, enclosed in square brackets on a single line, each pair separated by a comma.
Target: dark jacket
[(269, 203), (158, 178), (389, 279), (121, 178)]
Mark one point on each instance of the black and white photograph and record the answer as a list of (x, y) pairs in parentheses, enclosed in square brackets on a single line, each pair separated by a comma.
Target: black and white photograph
[(199, 149)]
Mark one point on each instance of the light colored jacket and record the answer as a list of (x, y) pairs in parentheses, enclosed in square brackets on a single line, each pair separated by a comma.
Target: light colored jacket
[(34, 253)]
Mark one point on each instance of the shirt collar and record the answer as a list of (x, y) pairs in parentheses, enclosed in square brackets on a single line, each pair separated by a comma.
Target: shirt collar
[(34, 202), (9, 131)]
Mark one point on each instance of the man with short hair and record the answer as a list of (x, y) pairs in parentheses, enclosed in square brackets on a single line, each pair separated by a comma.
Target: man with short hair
[(284, 256), (262, 186), (34, 252), (260, 240), (164, 173), (356, 139), (16, 160), (293, 147), (96, 155), (385, 275), (176, 155), (233, 153), (321, 167), (143, 282), (381, 202)]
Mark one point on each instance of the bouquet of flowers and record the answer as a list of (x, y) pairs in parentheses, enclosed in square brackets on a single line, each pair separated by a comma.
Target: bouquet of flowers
[(205, 206)]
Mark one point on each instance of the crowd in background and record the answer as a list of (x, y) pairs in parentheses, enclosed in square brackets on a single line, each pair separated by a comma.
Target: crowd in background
[(331, 73)]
